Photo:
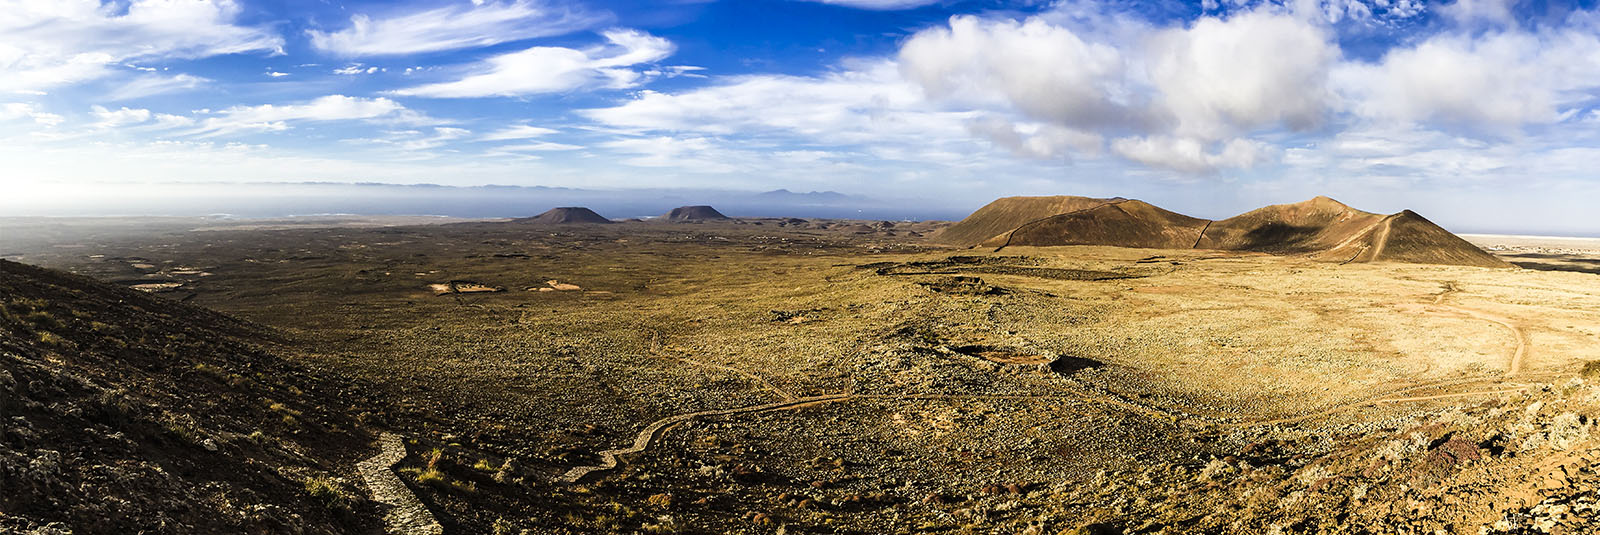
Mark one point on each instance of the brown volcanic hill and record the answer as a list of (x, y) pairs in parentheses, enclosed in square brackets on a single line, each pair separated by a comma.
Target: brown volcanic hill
[(1321, 228), (694, 213), (1317, 225), (121, 412), (1329, 230), (1007, 213), (1409, 237), (1122, 223), (566, 215)]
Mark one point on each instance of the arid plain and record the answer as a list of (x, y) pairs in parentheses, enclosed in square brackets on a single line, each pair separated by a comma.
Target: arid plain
[(791, 376)]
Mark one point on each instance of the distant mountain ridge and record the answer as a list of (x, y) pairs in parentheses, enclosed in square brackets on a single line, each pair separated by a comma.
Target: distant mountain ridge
[(814, 196), (1320, 228)]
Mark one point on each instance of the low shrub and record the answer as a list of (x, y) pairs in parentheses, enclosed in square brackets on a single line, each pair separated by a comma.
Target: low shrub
[(326, 492)]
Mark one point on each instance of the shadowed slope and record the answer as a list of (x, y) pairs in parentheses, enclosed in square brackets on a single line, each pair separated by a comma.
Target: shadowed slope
[(1007, 213), (566, 215), (1123, 223)]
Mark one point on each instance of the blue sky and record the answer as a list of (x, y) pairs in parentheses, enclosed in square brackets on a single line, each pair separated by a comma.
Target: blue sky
[(1479, 113)]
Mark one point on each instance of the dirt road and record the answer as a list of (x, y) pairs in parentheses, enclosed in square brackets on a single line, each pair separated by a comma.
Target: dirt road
[(609, 458)]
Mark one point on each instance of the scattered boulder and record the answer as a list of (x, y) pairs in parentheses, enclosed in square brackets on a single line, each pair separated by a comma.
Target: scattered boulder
[(554, 285), (463, 287), (961, 285)]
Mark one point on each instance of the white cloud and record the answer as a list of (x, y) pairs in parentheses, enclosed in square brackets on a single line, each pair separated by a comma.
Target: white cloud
[(1493, 82), (165, 121), (865, 122), (866, 105), (879, 4), (414, 140), (1190, 155), (357, 68), (453, 27), (11, 111), (1411, 155), (32, 73), (270, 117), (544, 69), (136, 118), (1035, 140), (521, 131), (1040, 69), (276, 74), (57, 43), (1467, 12), (1219, 77), (118, 118), (542, 146), (1167, 93), (693, 153), (148, 85), (674, 71)]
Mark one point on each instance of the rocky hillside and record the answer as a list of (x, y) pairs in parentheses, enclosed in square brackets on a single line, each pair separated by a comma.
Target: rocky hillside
[(1517, 463), (121, 412)]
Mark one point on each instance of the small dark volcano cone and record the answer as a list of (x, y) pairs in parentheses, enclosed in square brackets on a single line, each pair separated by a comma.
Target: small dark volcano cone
[(693, 213), (568, 215)]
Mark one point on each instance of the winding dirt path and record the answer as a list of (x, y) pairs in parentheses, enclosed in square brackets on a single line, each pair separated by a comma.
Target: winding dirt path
[(1341, 408), (407, 515), (656, 348), (1514, 367), (1374, 227), (783, 394), (609, 458), (1383, 237), (1522, 337)]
